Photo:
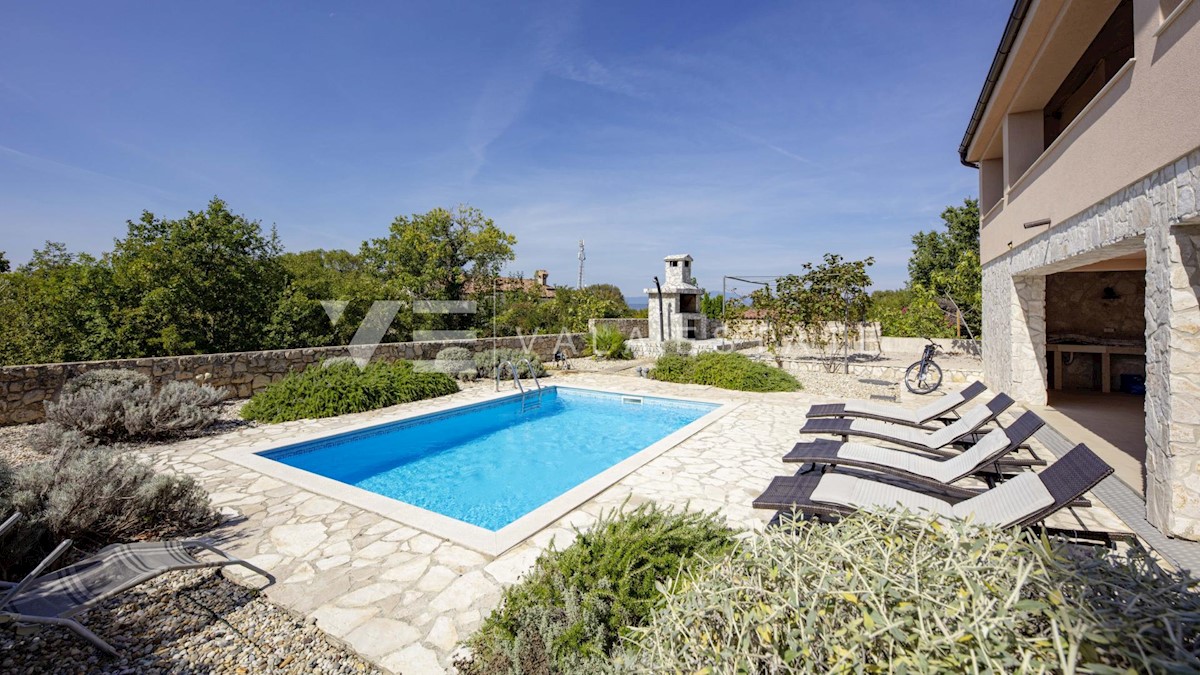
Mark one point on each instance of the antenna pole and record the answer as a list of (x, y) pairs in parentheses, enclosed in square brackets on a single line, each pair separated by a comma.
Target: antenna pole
[(582, 257)]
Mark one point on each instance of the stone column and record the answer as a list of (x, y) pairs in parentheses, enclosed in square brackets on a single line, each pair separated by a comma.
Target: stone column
[(1029, 340), (1173, 379), (1014, 347)]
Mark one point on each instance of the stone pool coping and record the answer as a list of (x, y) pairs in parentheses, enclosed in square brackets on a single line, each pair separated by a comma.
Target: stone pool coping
[(403, 598), (489, 542)]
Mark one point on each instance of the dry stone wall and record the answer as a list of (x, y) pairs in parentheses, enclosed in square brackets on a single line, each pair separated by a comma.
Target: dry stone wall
[(633, 329), (25, 389)]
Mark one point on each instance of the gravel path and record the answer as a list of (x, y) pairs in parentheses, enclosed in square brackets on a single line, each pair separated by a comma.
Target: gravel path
[(185, 622)]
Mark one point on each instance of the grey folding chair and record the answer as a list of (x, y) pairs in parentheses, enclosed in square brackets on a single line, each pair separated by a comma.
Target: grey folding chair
[(55, 598)]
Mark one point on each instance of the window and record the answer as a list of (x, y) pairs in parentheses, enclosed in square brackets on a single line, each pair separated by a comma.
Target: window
[(1111, 48)]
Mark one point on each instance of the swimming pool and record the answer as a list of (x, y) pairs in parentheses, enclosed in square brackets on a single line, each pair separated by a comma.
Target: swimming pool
[(490, 466)]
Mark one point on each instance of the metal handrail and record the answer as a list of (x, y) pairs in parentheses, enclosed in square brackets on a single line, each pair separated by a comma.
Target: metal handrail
[(532, 373), (515, 373)]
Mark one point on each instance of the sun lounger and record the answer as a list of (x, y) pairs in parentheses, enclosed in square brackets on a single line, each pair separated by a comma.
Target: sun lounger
[(934, 442), (895, 414), (54, 598), (1023, 500), (984, 455)]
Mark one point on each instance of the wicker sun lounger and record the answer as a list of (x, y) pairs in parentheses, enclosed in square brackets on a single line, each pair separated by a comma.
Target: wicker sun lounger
[(939, 409), (56, 597), (935, 442), (1023, 500), (984, 456)]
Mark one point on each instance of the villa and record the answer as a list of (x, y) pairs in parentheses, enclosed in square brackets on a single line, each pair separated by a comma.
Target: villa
[(479, 504), (1087, 143)]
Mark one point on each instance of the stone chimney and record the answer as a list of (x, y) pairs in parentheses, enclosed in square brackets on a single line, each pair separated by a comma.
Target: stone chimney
[(540, 277), (679, 270)]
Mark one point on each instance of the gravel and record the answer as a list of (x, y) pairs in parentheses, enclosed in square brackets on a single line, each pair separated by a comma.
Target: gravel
[(183, 622)]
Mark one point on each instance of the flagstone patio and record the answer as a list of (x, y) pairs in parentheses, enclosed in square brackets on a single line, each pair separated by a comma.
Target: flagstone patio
[(404, 598)]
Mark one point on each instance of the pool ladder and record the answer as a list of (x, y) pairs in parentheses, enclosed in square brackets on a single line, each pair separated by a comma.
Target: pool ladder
[(530, 400)]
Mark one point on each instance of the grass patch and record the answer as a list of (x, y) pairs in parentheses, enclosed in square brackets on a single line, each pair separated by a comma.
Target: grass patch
[(343, 388), (568, 613), (725, 370)]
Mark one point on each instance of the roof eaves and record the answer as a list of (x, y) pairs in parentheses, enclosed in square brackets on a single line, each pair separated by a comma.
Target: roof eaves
[(1015, 19)]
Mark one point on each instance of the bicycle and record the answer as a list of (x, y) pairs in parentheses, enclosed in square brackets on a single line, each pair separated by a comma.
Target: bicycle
[(924, 376)]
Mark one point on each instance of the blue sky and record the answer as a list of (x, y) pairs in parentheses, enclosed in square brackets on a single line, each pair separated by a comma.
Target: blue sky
[(755, 136)]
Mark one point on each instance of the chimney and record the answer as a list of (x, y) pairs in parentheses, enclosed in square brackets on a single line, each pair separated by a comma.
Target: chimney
[(540, 277)]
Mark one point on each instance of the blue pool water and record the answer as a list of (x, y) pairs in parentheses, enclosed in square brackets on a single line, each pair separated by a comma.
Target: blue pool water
[(489, 464)]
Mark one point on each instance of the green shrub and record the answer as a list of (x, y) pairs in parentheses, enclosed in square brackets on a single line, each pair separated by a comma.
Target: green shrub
[(344, 388), (725, 370), (94, 497), (106, 406), (672, 368), (487, 360), (568, 612), (894, 593), (458, 362), (676, 348), (609, 343), (911, 312)]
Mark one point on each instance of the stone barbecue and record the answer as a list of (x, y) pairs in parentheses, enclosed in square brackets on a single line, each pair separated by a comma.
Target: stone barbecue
[(680, 317)]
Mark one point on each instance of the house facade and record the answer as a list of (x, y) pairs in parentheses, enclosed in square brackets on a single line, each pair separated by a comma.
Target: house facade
[(1086, 137)]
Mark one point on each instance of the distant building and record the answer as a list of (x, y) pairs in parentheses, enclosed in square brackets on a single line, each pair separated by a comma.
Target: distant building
[(680, 317), (538, 285)]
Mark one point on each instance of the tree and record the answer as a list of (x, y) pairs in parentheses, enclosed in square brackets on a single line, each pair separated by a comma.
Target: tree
[(609, 293), (207, 282), (433, 256), (525, 312), (946, 264), (935, 251), (710, 306), (300, 319), (911, 312), (56, 308), (4, 264), (804, 304)]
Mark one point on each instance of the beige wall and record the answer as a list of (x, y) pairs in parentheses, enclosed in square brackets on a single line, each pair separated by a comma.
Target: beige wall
[(1147, 117)]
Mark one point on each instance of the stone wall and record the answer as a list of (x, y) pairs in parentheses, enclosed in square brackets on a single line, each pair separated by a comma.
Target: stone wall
[(630, 328), (914, 346), (1157, 214), (645, 348), (864, 337), (1075, 304), (883, 373), (24, 389)]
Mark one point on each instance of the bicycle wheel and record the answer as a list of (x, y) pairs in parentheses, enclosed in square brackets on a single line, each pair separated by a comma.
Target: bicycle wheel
[(924, 381)]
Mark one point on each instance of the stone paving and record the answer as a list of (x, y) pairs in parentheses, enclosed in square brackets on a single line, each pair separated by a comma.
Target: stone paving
[(403, 598)]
